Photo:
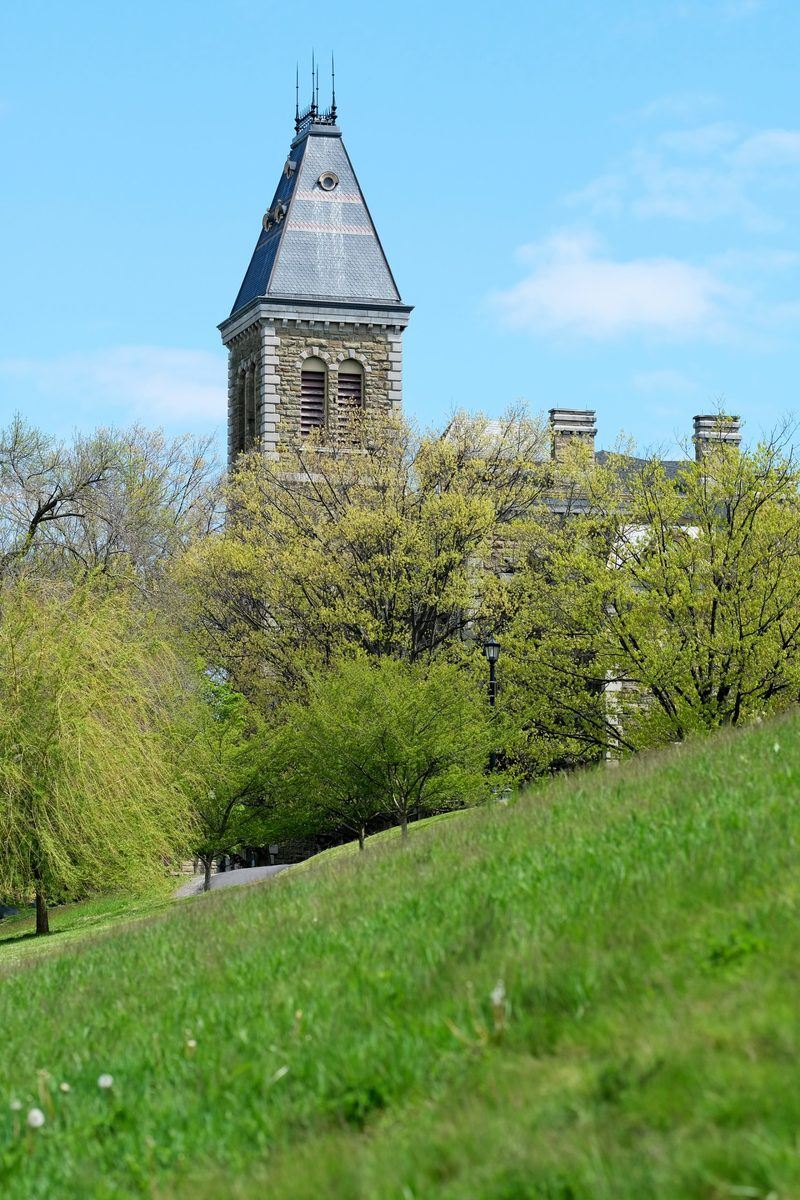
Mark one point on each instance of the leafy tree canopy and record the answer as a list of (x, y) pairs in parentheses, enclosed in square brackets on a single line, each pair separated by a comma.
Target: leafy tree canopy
[(384, 737), (89, 689), (657, 603), (225, 762), (374, 547)]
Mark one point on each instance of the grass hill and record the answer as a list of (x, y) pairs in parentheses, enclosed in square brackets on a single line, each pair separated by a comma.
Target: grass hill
[(342, 1032)]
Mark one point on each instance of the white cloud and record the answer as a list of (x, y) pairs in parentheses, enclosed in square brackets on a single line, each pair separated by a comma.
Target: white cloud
[(155, 384), (716, 172), (758, 261), (694, 193), (770, 148), (702, 140), (702, 173), (573, 287)]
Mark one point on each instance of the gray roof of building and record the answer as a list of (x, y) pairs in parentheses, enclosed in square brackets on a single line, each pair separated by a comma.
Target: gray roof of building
[(326, 246), (671, 465)]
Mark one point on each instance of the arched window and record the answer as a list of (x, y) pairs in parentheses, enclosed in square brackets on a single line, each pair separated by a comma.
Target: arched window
[(247, 411), (313, 379), (350, 392)]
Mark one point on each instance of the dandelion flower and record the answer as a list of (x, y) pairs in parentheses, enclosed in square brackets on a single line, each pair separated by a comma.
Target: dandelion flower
[(35, 1118), (16, 1106), (64, 1087), (105, 1082), (776, 747), (191, 1045), (498, 994)]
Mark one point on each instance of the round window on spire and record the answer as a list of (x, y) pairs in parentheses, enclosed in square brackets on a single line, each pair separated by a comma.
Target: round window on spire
[(328, 180)]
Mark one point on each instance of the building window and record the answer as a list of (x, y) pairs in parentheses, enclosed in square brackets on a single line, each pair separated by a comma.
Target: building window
[(313, 378), (350, 393)]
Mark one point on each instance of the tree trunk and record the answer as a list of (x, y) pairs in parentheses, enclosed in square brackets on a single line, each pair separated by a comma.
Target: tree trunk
[(42, 915), (361, 837), (207, 864)]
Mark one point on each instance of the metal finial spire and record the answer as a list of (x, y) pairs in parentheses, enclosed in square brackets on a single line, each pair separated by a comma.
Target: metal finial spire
[(305, 118)]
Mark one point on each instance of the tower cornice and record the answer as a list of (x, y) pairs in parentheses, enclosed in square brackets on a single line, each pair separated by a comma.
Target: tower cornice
[(286, 309)]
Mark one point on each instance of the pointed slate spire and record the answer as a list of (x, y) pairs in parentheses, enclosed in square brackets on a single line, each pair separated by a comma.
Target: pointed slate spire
[(318, 240)]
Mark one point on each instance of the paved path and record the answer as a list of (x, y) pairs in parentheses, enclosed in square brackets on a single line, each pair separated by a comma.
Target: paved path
[(225, 879)]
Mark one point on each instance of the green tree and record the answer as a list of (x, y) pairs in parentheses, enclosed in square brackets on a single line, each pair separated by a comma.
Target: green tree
[(88, 798), (326, 785), (385, 736), (225, 765), (121, 503), (655, 603), (376, 546)]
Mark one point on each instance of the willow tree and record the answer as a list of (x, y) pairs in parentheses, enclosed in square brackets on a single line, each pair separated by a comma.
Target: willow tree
[(88, 799)]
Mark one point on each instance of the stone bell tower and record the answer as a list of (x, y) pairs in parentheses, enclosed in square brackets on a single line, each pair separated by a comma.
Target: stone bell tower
[(316, 329)]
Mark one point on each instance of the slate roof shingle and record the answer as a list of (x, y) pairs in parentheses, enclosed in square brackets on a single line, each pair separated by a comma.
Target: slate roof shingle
[(326, 247)]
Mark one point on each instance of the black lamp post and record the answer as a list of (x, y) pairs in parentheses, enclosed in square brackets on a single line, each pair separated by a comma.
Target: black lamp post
[(491, 648)]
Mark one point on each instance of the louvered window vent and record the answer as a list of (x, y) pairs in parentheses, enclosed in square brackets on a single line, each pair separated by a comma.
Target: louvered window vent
[(350, 397), (312, 401)]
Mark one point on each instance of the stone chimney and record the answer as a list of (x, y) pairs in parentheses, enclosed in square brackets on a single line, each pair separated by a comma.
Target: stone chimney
[(717, 428), (571, 426)]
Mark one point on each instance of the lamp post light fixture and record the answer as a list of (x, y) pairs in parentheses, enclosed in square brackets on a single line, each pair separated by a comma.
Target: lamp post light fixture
[(491, 648)]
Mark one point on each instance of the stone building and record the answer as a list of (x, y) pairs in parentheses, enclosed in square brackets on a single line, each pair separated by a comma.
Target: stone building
[(316, 328)]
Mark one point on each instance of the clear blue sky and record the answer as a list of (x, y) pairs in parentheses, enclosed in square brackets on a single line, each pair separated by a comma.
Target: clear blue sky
[(590, 204)]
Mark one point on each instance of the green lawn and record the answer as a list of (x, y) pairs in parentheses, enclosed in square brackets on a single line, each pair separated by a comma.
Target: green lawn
[(70, 923), (351, 850), (644, 924)]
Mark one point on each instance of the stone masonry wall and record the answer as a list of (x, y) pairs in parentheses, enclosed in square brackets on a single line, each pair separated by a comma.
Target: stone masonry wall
[(264, 366), (244, 362), (377, 350)]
